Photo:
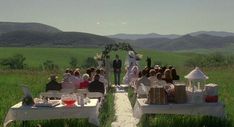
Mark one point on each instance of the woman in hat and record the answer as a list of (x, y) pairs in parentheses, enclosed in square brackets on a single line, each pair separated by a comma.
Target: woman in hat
[(66, 83)]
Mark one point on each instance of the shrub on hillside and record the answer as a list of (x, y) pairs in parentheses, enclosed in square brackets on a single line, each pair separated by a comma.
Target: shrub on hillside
[(49, 65), (210, 60), (14, 62), (90, 62), (73, 62)]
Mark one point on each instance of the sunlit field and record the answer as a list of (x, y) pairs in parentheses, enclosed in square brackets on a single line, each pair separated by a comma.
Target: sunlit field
[(36, 78)]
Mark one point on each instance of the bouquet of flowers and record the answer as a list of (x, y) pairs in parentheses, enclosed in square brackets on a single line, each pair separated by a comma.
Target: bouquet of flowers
[(138, 56), (98, 57)]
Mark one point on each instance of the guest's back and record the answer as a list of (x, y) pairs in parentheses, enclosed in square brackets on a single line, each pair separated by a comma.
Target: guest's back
[(168, 76), (152, 77), (67, 84), (85, 83), (96, 85), (144, 79), (174, 74), (53, 84)]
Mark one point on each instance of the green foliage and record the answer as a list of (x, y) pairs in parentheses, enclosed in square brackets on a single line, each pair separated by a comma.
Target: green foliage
[(73, 62), (90, 62), (182, 121), (14, 62), (210, 60), (49, 65), (107, 111), (116, 47)]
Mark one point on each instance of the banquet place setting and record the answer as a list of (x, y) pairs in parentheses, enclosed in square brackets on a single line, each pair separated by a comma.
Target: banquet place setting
[(75, 97)]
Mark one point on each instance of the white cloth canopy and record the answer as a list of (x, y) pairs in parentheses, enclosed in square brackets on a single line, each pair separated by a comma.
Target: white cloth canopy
[(196, 74)]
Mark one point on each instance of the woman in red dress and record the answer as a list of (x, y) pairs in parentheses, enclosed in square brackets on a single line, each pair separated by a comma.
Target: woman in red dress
[(85, 83)]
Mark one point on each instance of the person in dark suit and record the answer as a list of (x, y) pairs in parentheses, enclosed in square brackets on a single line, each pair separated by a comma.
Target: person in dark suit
[(117, 64), (96, 85), (53, 84)]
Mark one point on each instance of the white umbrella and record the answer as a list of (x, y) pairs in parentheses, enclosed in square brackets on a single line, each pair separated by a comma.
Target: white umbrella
[(196, 74)]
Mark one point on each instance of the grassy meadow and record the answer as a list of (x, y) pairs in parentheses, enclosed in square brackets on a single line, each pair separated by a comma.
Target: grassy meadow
[(35, 78)]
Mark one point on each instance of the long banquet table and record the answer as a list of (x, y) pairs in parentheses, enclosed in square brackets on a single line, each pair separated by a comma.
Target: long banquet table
[(209, 109), (25, 113)]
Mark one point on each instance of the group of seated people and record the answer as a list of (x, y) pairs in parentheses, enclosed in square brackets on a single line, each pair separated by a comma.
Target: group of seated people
[(157, 76), (93, 80)]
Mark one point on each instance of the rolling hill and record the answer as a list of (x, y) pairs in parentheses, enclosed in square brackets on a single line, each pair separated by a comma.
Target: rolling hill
[(6, 27), (142, 36), (14, 34), (186, 42), (169, 36), (36, 34)]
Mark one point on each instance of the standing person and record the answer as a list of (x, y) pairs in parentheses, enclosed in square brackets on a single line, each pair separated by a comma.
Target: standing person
[(117, 64)]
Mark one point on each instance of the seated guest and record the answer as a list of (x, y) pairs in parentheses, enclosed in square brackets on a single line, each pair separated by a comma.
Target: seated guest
[(96, 85), (85, 83), (76, 80), (174, 74), (53, 84), (140, 74), (164, 69), (66, 83), (168, 76), (102, 77), (88, 71), (146, 83), (93, 73), (159, 81), (67, 70), (152, 77)]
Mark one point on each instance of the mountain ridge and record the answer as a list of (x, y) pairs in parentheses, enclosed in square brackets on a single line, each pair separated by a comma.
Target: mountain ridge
[(169, 36), (6, 27)]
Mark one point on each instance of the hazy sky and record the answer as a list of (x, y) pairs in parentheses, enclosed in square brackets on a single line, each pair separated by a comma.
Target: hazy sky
[(106, 17)]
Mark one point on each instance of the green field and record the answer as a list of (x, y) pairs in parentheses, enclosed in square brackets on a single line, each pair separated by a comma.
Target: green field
[(10, 81)]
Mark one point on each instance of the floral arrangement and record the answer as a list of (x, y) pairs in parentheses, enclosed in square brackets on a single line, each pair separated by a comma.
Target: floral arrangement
[(98, 56), (138, 56)]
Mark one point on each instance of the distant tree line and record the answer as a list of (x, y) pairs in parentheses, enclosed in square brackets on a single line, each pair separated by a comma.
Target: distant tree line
[(210, 60), (18, 62)]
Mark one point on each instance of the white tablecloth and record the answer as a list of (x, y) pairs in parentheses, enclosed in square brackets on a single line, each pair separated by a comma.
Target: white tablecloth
[(210, 109), (59, 94), (23, 113)]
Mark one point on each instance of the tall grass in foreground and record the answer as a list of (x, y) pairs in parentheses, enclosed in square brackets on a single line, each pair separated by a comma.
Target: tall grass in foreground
[(182, 121), (11, 94)]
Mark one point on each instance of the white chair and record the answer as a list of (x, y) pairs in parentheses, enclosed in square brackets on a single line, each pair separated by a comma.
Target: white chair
[(82, 91), (95, 95), (51, 93), (67, 90)]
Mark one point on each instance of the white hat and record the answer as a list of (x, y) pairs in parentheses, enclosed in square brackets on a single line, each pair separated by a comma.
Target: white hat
[(131, 53)]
